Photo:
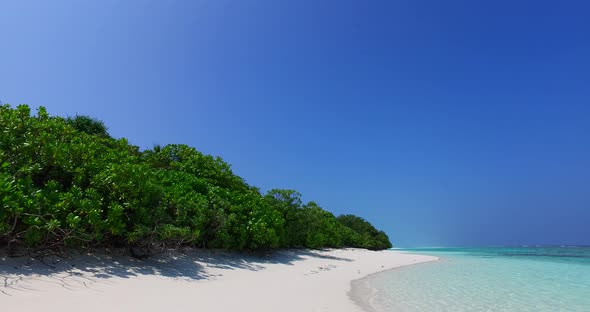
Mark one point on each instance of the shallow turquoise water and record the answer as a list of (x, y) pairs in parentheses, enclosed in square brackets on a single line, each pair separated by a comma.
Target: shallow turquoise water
[(487, 279)]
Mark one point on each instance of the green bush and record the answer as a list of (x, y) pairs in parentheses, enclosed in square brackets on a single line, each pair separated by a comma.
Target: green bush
[(88, 125), (364, 234), (67, 183)]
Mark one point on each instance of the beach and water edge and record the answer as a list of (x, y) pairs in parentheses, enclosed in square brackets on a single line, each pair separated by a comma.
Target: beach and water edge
[(499, 279), (444, 279), (205, 280)]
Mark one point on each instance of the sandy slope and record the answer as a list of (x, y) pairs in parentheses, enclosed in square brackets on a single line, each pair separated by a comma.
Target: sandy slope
[(292, 280)]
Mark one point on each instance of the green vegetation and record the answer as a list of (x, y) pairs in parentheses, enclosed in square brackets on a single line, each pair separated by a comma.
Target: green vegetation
[(89, 125), (68, 183)]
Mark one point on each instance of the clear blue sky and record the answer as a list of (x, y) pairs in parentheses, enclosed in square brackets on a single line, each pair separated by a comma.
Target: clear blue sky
[(441, 122)]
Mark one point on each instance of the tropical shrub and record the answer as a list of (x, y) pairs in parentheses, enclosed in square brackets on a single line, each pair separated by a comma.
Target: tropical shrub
[(67, 183)]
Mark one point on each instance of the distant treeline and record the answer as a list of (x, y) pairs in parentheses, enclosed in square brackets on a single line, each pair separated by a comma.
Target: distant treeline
[(65, 182)]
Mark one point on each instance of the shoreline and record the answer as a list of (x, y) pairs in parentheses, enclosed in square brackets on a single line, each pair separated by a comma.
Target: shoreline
[(362, 294), (207, 280)]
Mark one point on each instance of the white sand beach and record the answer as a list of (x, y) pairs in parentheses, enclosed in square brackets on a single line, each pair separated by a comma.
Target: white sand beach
[(290, 280)]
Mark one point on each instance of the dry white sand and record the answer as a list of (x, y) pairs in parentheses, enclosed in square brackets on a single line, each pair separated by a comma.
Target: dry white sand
[(291, 280)]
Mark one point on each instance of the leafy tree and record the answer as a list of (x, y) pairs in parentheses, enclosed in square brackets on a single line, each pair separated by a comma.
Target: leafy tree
[(322, 227), (367, 236), (88, 125), (288, 203)]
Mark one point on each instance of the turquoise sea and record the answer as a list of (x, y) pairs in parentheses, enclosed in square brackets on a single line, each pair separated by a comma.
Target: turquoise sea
[(535, 279)]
